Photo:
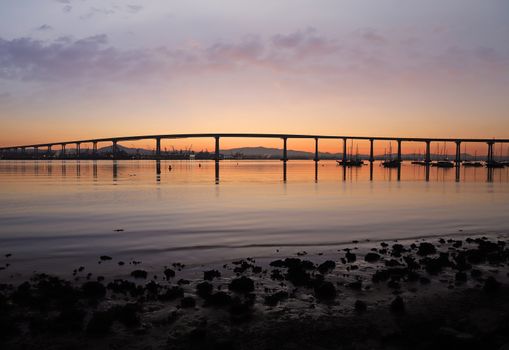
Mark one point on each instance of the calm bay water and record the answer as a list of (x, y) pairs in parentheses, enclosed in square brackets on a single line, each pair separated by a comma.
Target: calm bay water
[(56, 214)]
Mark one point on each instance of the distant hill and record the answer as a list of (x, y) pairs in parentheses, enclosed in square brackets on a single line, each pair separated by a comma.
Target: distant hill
[(265, 152), (128, 150)]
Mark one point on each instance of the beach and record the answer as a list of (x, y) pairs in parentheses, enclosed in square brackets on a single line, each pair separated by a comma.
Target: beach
[(447, 292)]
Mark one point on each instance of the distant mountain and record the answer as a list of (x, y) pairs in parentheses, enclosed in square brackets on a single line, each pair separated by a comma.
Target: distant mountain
[(265, 152), (128, 150)]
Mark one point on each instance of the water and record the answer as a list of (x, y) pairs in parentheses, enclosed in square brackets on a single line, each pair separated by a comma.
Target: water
[(55, 215)]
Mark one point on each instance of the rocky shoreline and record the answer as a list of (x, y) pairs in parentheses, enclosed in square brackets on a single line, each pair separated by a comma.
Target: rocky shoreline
[(441, 293)]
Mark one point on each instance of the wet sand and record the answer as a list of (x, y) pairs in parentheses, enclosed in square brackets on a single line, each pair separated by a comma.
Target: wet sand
[(449, 292)]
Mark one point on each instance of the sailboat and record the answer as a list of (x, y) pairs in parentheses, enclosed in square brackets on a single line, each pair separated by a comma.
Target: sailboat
[(351, 162), (390, 163), (419, 161), (495, 164), (472, 164), (445, 162)]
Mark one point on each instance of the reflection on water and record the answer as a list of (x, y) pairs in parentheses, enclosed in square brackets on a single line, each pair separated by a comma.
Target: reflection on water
[(53, 212), (252, 170)]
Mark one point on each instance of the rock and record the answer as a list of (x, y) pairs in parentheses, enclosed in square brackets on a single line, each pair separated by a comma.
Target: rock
[(298, 276), (491, 284), (219, 299), (435, 265), (397, 249), (326, 266), (139, 274), (125, 287), (105, 257), (357, 285), (397, 305), (392, 263), (274, 299), (457, 244), (93, 290), (325, 291), (172, 294), (277, 275), (169, 273), (294, 263), (372, 257), (242, 285), (426, 248), (350, 257), (211, 274), (360, 306), (187, 302), (153, 288), (204, 289)]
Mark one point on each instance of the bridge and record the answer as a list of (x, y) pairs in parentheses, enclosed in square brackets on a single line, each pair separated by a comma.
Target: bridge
[(284, 137)]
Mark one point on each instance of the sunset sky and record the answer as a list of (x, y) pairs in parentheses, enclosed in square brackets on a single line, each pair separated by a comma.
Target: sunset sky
[(73, 69)]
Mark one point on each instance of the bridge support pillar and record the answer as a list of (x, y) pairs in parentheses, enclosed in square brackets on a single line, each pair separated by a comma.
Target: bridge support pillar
[(114, 149), (458, 153), (78, 150), (216, 156), (36, 152), (285, 150), (428, 152), (317, 158), (399, 151), (62, 153), (158, 147), (490, 153), (371, 151), (49, 150), (345, 140), (94, 148)]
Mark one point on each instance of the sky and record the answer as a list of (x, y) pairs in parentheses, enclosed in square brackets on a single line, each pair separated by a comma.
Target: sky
[(72, 69)]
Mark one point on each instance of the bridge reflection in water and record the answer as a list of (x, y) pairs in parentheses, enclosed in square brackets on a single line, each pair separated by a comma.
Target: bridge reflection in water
[(245, 170), (207, 171)]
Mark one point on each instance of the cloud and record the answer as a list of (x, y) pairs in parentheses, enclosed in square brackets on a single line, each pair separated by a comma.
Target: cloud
[(44, 28), (134, 8), (305, 43), (67, 7), (97, 11), (372, 36), (302, 54)]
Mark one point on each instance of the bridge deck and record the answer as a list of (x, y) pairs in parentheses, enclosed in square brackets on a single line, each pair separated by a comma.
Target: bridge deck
[(257, 135)]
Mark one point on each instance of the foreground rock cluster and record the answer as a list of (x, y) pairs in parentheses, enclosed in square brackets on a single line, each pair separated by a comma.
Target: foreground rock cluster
[(352, 300)]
